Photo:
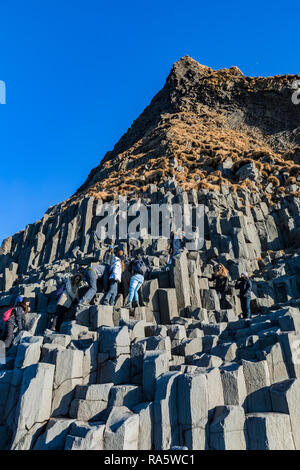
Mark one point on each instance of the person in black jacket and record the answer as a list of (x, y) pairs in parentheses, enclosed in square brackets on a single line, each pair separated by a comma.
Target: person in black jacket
[(220, 277), (244, 285), (16, 319), (176, 244), (107, 261)]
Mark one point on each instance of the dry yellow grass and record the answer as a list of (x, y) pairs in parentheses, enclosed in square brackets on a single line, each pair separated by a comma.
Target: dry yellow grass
[(199, 145), (274, 180)]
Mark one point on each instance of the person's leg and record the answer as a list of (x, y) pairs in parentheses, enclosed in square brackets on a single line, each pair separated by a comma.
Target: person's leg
[(248, 310), (106, 278), (244, 313), (114, 293), (126, 283), (9, 336), (53, 322), (60, 317), (176, 246), (70, 314), (107, 296), (136, 295), (219, 297), (132, 287), (141, 297), (92, 282), (136, 291), (223, 299)]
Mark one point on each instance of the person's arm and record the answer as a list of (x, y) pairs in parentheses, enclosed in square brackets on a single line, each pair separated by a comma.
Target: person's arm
[(226, 284), (237, 284)]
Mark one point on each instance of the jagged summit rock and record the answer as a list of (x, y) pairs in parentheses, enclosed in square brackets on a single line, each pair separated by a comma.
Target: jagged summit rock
[(200, 118)]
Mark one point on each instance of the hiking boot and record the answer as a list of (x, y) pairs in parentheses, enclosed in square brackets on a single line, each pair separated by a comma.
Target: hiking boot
[(128, 305)]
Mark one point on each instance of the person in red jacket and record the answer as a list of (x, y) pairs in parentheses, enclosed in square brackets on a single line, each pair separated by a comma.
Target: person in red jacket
[(16, 319)]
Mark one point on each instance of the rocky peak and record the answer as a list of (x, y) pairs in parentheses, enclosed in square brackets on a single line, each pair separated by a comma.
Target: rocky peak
[(201, 118)]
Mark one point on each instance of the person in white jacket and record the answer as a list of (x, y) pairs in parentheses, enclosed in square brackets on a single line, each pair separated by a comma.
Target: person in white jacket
[(66, 299), (114, 279)]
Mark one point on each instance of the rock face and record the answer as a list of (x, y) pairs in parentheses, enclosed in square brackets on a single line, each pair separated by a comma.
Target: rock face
[(183, 370)]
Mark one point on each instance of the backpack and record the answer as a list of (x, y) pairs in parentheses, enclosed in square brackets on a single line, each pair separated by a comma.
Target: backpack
[(7, 314), (139, 267)]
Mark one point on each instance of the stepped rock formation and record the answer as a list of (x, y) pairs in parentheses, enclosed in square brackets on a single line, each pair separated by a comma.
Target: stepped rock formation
[(180, 371)]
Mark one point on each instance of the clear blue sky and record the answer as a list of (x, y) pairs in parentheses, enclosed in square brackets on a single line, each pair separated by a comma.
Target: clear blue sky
[(79, 72)]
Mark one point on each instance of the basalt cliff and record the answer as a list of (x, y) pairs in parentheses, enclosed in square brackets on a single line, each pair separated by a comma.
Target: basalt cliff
[(182, 371)]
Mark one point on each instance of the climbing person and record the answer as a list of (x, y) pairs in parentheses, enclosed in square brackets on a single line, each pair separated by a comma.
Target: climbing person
[(109, 255), (244, 285), (115, 278), (91, 275), (68, 295), (141, 302), (15, 317), (220, 277), (107, 261), (176, 244), (177, 241), (138, 270)]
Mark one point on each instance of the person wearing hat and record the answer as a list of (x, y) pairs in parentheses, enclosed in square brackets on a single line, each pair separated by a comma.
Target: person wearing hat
[(16, 319), (244, 285)]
